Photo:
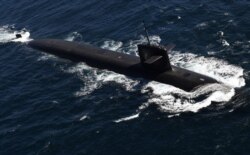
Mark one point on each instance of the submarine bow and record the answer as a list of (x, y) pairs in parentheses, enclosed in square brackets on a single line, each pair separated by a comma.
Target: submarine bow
[(153, 62)]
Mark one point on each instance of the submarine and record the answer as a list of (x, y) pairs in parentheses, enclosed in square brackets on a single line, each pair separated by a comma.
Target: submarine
[(153, 62)]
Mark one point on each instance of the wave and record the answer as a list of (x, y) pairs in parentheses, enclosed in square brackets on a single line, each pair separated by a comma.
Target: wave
[(74, 36), (8, 34), (127, 118), (168, 98)]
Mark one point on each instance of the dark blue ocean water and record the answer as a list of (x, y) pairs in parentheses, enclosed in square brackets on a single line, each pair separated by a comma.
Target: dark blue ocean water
[(53, 106)]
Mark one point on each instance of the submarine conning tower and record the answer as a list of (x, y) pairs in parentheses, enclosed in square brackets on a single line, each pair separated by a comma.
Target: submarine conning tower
[(155, 57)]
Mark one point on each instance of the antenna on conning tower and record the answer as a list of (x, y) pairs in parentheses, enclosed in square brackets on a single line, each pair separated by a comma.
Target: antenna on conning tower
[(146, 31)]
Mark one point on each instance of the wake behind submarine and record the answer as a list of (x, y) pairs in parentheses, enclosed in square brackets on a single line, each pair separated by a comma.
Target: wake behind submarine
[(153, 62)]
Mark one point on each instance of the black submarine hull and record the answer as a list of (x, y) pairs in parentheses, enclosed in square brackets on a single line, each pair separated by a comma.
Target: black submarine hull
[(121, 63)]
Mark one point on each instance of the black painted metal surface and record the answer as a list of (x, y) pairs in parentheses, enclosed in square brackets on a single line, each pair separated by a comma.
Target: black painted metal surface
[(121, 63)]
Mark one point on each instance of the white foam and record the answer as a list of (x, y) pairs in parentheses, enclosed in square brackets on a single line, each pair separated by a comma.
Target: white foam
[(84, 117), (173, 100), (222, 71), (168, 98), (95, 78), (202, 25), (8, 34), (46, 56), (87, 77), (74, 36), (112, 45), (220, 33), (25, 37), (127, 118), (224, 42)]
